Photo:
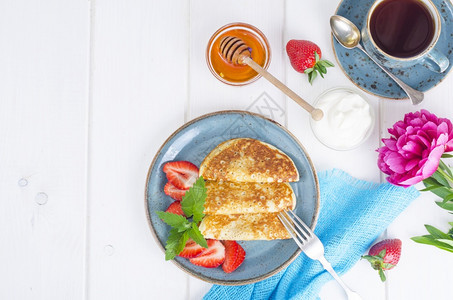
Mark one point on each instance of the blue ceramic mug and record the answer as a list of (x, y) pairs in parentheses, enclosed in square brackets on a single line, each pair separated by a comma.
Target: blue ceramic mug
[(428, 56)]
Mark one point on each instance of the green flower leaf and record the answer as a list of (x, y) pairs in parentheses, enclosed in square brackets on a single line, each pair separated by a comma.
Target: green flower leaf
[(445, 205), (447, 155), (429, 240), (436, 233), (447, 241), (440, 178), (444, 167), (448, 198)]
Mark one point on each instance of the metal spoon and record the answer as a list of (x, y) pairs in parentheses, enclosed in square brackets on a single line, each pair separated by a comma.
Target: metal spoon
[(348, 35)]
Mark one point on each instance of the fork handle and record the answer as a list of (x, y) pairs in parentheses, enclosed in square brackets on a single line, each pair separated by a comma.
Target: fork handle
[(350, 293)]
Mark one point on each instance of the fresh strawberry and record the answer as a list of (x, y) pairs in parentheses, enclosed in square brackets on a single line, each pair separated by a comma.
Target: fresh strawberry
[(305, 58), (234, 256), (191, 249), (212, 257), (384, 255), (182, 174), (174, 192), (175, 208)]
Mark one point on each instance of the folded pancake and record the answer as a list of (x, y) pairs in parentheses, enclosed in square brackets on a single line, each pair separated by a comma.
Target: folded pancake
[(225, 197), (248, 160), (243, 227)]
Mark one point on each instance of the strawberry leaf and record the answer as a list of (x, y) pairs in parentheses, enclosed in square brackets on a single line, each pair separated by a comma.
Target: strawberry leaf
[(312, 76), (322, 69), (327, 63), (308, 71), (382, 275), (316, 56)]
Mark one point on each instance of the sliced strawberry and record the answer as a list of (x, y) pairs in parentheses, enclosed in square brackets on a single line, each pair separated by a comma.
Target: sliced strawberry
[(182, 174), (234, 256), (211, 257), (174, 192), (175, 208), (191, 249)]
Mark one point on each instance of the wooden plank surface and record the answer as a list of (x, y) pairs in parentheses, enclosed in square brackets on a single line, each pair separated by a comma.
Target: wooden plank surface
[(139, 92), (44, 50), (90, 91)]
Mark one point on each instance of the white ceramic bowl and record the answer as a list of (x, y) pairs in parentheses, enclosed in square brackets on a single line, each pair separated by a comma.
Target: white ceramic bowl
[(327, 141)]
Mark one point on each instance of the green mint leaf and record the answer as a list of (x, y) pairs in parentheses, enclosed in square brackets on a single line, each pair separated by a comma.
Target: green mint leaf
[(172, 244), (382, 275), (174, 220), (182, 242), (195, 234), (193, 201)]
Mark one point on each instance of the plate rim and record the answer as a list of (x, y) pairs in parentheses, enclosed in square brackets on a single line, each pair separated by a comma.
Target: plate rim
[(232, 282), (332, 42)]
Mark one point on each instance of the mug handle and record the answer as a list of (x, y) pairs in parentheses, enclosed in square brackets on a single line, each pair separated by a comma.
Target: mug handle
[(436, 61)]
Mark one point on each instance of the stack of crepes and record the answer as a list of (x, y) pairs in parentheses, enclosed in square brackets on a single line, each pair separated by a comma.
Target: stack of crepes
[(247, 185)]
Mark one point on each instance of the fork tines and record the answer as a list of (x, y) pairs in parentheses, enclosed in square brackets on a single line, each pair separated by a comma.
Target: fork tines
[(300, 232)]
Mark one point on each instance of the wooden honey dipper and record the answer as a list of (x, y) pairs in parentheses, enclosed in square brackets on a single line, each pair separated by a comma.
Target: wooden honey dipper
[(236, 51)]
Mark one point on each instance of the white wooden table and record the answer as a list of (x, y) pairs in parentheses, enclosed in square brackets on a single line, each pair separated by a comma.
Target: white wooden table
[(89, 92)]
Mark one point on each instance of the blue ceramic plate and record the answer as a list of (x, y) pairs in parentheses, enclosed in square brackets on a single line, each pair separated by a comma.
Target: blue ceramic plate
[(193, 142), (367, 76)]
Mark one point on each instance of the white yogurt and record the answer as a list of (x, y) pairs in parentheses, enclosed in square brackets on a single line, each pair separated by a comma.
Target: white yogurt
[(347, 122)]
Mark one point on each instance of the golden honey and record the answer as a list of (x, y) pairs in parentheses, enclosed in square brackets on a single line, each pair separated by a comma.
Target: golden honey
[(237, 74)]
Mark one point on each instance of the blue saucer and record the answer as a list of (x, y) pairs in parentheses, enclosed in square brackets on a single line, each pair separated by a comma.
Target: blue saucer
[(369, 77)]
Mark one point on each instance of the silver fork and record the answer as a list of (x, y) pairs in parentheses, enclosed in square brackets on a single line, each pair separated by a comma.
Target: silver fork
[(312, 246)]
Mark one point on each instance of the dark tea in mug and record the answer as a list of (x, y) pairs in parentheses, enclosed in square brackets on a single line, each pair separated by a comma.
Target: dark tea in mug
[(402, 28)]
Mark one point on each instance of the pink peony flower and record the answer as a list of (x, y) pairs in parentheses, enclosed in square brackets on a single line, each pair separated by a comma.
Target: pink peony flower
[(413, 151)]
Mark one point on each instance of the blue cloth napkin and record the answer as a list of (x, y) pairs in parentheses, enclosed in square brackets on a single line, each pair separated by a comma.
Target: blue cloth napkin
[(353, 214)]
